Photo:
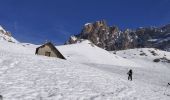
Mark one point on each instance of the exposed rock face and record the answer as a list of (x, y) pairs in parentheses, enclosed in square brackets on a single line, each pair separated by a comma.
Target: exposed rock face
[(111, 38)]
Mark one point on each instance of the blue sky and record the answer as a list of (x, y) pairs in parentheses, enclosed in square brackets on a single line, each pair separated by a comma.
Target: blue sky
[(35, 21)]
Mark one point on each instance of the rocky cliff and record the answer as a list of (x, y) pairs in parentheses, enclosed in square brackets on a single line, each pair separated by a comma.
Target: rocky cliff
[(112, 38)]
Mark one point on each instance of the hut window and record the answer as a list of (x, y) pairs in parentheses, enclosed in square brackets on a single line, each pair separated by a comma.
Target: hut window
[(47, 54)]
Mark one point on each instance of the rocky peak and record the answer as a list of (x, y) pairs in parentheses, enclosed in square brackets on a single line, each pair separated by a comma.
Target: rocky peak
[(111, 38), (97, 32)]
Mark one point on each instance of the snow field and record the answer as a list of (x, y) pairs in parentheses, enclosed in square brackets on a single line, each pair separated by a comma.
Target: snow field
[(89, 73), (27, 77)]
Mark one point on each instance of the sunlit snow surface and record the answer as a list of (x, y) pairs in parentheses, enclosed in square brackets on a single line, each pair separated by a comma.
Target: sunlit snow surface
[(89, 73)]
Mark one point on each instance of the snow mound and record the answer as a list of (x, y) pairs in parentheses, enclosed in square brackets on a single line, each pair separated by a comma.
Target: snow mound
[(87, 52)]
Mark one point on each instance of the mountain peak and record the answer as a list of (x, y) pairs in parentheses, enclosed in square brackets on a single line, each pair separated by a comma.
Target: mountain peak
[(6, 35), (111, 38)]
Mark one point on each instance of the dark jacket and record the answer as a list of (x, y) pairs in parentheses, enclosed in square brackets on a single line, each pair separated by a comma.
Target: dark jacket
[(130, 72)]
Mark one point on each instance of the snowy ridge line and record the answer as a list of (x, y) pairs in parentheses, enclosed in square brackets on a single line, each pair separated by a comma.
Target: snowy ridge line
[(6, 36), (90, 53)]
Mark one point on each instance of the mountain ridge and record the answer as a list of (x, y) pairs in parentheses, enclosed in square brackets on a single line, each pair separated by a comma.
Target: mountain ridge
[(6, 36), (112, 38)]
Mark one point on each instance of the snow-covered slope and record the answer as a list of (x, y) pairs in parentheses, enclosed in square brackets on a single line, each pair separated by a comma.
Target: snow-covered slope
[(25, 76), (6, 36), (86, 52), (17, 48), (147, 57), (155, 64), (83, 76)]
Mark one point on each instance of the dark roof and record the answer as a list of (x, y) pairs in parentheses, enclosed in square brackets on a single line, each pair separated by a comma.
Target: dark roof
[(53, 47)]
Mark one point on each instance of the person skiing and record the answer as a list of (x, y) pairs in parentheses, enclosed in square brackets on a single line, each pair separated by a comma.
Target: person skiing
[(130, 74)]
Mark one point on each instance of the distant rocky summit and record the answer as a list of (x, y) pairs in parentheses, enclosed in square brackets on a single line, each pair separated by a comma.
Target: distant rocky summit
[(112, 38)]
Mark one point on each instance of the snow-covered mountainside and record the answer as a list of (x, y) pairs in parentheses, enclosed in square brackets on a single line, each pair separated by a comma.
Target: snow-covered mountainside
[(89, 73), (87, 52), (6, 36), (146, 55), (112, 38)]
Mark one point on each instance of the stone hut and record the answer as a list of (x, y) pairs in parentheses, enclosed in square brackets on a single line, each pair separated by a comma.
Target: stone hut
[(48, 49)]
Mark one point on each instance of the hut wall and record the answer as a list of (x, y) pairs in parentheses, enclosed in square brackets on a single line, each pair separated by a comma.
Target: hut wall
[(45, 49)]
